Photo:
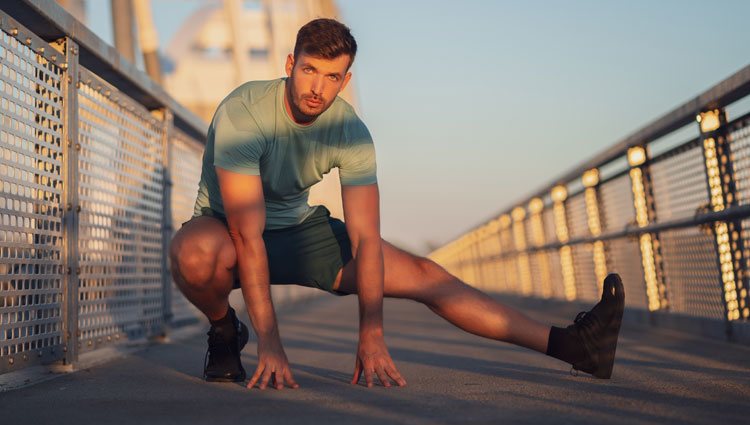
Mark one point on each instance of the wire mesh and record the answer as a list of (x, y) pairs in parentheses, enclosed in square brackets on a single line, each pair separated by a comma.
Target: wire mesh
[(616, 204), (120, 189), (186, 155), (692, 273), (556, 276), (31, 260), (740, 147), (679, 185), (548, 219), (540, 273), (510, 263), (578, 225), (624, 256), (583, 258)]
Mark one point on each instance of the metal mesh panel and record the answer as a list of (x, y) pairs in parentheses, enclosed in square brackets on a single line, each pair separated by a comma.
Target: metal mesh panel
[(185, 170), (740, 147), (583, 258), (31, 260), (556, 276), (489, 250), (539, 272), (121, 211), (493, 270), (679, 185), (745, 254), (548, 218), (692, 273), (625, 259), (510, 264), (578, 225), (616, 200), (535, 269)]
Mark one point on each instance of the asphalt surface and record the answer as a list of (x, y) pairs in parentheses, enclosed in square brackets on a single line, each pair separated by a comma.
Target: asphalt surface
[(453, 377)]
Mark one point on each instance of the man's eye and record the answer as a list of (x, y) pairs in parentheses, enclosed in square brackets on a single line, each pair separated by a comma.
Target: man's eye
[(307, 70), (333, 77)]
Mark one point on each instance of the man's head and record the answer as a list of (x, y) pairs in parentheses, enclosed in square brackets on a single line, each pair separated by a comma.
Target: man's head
[(319, 68)]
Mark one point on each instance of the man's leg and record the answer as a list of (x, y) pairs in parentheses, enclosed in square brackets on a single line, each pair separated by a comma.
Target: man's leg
[(202, 257), (420, 279), (202, 264)]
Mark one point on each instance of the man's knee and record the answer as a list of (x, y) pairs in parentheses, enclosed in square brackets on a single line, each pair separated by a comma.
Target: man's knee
[(428, 270), (194, 265)]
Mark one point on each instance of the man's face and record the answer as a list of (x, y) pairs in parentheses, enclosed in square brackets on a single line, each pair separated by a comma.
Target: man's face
[(313, 84)]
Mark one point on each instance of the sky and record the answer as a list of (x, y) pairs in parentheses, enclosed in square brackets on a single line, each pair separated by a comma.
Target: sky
[(474, 105)]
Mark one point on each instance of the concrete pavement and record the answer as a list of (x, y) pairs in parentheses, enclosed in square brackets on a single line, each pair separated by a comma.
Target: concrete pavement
[(660, 376)]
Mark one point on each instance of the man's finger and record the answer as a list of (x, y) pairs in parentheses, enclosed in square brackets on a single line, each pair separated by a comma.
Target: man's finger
[(266, 377), (290, 379), (255, 377), (383, 377), (357, 371), (278, 377), (368, 376), (395, 375)]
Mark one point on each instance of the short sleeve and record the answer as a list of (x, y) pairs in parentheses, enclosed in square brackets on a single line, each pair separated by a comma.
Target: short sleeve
[(238, 142), (357, 165)]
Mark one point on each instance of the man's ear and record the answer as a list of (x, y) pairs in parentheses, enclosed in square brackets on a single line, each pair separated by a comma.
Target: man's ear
[(289, 64), (347, 77)]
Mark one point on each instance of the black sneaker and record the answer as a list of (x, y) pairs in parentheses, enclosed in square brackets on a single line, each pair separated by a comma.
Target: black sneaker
[(222, 362), (599, 328)]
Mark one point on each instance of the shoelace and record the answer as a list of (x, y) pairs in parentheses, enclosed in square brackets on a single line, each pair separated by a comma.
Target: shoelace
[(589, 323)]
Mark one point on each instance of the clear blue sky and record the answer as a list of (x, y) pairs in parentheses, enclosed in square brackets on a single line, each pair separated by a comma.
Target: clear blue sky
[(473, 104)]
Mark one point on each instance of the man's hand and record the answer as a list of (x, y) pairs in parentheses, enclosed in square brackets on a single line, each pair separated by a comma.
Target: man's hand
[(373, 359), (272, 363)]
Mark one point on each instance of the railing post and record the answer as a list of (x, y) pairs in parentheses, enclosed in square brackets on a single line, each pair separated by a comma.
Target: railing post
[(535, 207), (559, 195), (645, 213), (590, 180), (519, 240), (506, 244), (71, 205), (722, 194)]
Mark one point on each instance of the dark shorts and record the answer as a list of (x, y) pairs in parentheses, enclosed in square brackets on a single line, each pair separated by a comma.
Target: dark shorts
[(308, 254)]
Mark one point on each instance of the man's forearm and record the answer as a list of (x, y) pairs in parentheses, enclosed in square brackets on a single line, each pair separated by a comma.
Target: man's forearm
[(369, 260), (252, 263)]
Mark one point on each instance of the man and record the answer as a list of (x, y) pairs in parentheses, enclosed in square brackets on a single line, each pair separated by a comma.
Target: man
[(268, 142)]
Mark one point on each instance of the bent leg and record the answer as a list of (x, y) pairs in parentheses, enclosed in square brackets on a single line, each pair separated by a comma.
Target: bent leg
[(202, 258), (420, 279)]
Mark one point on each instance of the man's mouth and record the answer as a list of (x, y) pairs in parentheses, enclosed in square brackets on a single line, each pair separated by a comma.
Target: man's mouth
[(313, 102)]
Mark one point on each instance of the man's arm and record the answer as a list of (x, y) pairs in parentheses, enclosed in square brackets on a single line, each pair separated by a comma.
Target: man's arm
[(362, 217), (244, 206)]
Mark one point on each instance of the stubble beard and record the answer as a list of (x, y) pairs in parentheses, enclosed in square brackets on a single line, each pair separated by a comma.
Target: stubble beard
[(299, 106)]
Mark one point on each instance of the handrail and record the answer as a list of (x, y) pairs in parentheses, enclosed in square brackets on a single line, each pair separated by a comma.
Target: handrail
[(50, 21), (731, 89)]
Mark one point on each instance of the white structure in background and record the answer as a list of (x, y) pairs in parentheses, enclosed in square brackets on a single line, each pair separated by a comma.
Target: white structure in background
[(204, 69)]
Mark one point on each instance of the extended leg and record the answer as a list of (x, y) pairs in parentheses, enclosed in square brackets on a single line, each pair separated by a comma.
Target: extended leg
[(420, 279)]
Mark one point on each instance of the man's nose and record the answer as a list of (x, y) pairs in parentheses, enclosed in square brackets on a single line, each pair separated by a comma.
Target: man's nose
[(317, 85)]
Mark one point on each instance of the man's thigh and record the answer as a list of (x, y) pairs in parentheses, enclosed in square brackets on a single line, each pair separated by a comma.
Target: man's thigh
[(405, 275)]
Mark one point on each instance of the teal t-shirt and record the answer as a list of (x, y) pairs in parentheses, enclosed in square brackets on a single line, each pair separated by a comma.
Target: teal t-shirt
[(251, 133)]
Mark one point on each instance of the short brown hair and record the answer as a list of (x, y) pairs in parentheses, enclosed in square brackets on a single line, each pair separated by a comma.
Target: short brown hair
[(325, 38)]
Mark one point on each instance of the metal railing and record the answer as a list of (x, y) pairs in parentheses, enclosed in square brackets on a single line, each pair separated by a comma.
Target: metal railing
[(668, 208), (98, 169)]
